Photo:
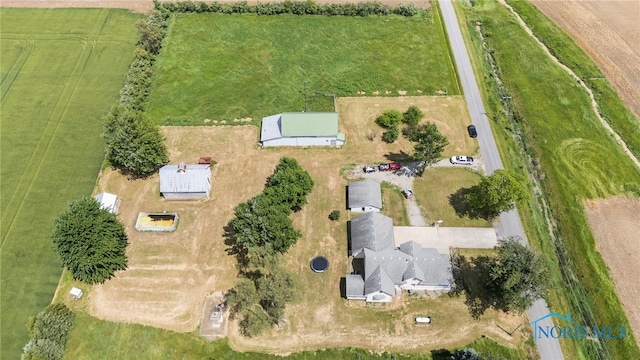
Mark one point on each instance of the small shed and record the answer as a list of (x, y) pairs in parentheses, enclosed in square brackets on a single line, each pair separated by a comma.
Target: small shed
[(185, 181), (364, 196), (108, 202), (76, 293)]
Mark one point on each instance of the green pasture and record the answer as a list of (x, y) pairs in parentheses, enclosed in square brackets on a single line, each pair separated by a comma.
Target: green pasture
[(578, 160), (222, 67), (61, 71), (612, 109)]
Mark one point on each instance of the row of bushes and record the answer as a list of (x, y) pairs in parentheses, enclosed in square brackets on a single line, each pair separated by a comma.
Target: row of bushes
[(308, 7), (134, 143), (49, 332), (152, 30)]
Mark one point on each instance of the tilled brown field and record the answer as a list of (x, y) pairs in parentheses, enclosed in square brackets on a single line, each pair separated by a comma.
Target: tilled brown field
[(615, 223), (610, 33)]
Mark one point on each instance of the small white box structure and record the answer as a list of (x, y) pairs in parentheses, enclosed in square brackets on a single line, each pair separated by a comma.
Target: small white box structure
[(76, 293), (423, 320)]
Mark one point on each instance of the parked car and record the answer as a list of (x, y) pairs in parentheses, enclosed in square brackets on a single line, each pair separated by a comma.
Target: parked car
[(369, 169), (463, 160), (472, 131), (390, 166), (408, 194)]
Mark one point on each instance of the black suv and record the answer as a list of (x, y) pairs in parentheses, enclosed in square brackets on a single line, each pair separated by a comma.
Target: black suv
[(472, 131)]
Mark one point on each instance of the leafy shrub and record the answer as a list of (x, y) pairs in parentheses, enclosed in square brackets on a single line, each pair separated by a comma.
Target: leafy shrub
[(389, 119), (412, 116), (49, 332), (391, 135), (334, 215)]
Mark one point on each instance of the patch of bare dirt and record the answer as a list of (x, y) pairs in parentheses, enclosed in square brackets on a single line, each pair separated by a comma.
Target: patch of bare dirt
[(609, 32), (615, 223)]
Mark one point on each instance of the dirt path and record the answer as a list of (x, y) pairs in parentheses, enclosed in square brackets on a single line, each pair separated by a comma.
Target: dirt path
[(594, 103)]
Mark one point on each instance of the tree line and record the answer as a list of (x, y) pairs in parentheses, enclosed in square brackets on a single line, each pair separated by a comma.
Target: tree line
[(308, 7), (134, 144), (260, 231)]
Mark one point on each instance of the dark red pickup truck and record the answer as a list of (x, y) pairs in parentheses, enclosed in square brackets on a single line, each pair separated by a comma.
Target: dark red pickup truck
[(389, 166)]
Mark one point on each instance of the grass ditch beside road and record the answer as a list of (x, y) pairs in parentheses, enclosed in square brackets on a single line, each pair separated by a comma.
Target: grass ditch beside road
[(252, 66), (573, 158), (61, 71)]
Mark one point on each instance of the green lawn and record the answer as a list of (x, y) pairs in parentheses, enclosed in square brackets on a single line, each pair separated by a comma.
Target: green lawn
[(96, 339), (252, 66), (393, 204), (578, 160), (61, 72), (433, 189)]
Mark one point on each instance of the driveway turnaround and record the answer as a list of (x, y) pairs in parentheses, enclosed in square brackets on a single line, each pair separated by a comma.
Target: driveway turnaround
[(442, 238), (509, 223)]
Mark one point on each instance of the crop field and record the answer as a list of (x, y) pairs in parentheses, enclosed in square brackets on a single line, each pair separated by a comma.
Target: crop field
[(60, 72), (249, 66), (578, 161)]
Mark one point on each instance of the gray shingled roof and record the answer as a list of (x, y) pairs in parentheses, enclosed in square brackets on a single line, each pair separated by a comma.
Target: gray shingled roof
[(435, 266), (379, 280), (373, 231), (365, 193), (195, 179), (354, 285), (393, 261)]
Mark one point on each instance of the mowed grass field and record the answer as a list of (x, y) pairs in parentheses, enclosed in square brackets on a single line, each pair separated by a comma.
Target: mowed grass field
[(60, 73), (579, 160), (243, 66)]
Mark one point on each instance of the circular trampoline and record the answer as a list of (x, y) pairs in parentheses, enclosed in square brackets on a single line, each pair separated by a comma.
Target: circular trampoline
[(319, 264)]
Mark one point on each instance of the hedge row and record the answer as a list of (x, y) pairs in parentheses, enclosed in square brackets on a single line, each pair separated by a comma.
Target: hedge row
[(308, 7), (152, 30), (49, 332)]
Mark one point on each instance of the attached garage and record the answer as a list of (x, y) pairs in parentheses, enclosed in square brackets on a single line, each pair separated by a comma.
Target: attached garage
[(185, 181), (301, 129)]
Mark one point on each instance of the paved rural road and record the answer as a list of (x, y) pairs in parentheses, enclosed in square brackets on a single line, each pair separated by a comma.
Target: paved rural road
[(509, 222)]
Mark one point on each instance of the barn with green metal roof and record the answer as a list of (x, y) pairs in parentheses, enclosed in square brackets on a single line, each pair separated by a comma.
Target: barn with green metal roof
[(301, 129)]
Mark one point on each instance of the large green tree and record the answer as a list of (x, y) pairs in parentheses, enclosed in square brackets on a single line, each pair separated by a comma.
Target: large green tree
[(91, 241), (517, 276), (259, 222), (134, 144), (496, 193), (429, 143), (243, 296), (289, 184), (276, 289)]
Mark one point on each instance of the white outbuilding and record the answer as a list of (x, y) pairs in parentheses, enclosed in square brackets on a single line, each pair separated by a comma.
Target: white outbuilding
[(364, 196), (108, 202), (185, 181), (301, 129)]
